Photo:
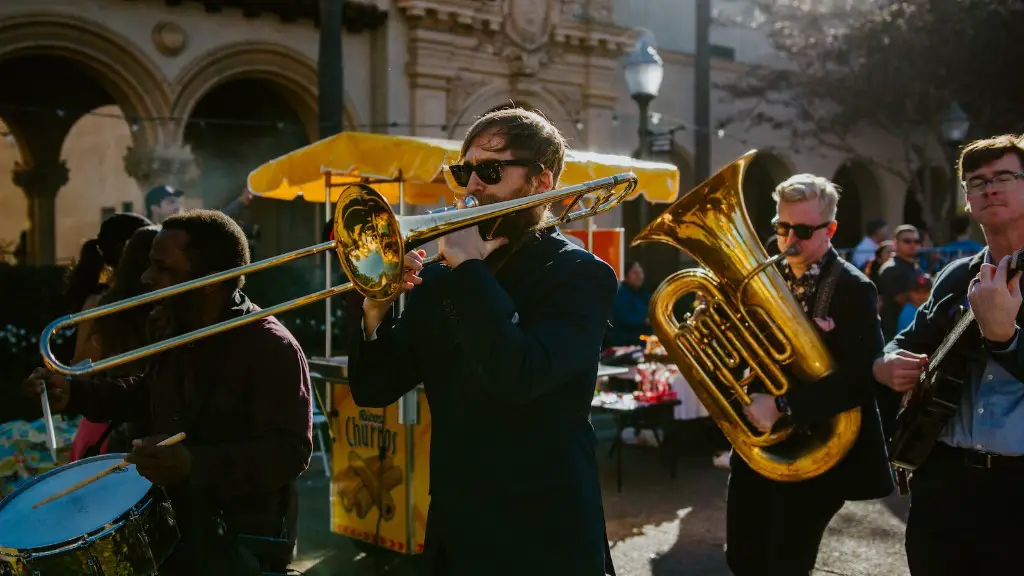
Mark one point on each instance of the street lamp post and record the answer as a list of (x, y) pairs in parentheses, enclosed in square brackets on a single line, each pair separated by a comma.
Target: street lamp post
[(954, 127), (644, 71)]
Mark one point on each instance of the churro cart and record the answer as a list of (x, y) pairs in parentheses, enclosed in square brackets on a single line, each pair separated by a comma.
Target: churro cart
[(380, 457)]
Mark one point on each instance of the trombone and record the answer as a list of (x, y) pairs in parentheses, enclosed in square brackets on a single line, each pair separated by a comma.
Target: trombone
[(371, 243)]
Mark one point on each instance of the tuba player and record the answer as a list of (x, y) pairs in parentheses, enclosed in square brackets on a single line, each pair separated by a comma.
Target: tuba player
[(775, 527)]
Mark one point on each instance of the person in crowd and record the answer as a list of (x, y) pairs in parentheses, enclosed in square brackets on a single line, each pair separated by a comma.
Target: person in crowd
[(162, 202), (875, 232), (242, 397), (97, 259), (966, 497), (519, 321), (962, 244), (916, 297), (896, 277), (883, 254), (776, 527), (111, 335), (630, 318)]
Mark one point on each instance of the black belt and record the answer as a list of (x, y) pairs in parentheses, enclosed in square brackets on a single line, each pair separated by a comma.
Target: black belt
[(979, 459)]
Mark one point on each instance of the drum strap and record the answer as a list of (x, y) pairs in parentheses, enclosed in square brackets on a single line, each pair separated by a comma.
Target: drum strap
[(825, 289)]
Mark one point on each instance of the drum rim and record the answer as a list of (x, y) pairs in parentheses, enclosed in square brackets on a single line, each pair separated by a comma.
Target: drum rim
[(87, 537)]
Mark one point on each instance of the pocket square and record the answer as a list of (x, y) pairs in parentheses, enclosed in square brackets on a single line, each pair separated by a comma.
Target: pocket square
[(515, 318), (826, 324)]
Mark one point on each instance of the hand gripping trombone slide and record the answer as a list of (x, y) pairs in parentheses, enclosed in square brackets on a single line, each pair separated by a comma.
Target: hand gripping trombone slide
[(371, 243)]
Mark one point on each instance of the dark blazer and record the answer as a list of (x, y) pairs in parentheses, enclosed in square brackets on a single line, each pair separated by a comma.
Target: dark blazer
[(854, 342), (935, 318), (509, 364)]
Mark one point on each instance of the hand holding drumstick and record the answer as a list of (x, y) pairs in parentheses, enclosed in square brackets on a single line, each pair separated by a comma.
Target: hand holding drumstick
[(119, 466)]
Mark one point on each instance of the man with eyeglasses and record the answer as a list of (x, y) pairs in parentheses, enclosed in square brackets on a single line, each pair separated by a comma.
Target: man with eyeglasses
[(896, 277), (967, 501), (505, 337), (775, 527)]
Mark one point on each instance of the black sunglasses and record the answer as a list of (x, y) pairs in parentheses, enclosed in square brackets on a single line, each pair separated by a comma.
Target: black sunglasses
[(489, 171), (802, 231)]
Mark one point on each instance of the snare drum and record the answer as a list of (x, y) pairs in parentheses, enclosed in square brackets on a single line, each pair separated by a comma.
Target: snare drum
[(118, 525)]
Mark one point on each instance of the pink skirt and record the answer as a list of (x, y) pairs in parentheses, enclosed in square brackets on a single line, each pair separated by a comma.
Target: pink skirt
[(87, 435)]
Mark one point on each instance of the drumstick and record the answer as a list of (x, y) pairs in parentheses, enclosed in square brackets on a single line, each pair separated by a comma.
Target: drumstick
[(120, 465), (51, 435)]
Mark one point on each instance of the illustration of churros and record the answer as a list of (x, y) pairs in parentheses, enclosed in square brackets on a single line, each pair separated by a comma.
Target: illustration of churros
[(358, 485)]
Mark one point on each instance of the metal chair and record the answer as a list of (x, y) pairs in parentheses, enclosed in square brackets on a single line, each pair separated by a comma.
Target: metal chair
[(319, 420)]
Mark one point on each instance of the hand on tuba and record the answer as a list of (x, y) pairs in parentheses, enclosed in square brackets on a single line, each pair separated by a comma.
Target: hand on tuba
[(762, 411)]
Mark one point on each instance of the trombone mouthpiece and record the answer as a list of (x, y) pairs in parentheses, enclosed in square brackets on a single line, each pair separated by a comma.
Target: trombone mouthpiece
[(793, 250)]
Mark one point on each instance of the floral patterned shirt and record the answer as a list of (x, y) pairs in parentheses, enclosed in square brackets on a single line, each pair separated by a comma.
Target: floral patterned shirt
[(805, 287)]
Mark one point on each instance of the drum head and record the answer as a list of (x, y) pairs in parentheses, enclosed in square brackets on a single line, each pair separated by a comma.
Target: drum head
[(78, 514)]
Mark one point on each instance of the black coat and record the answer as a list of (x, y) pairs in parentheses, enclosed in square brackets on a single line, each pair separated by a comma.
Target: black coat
[(854, 342), (509, 364)]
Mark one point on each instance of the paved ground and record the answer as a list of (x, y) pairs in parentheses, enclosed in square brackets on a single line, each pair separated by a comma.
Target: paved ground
[(658, 526)]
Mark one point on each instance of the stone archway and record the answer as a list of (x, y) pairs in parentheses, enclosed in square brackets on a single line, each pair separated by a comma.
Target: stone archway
[(496, 96), (111, 59), (70, 66), (858, 189), (766, 171), (292, 75)]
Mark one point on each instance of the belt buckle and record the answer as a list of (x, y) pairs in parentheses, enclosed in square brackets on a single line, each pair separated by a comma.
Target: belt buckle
[(973, 461)]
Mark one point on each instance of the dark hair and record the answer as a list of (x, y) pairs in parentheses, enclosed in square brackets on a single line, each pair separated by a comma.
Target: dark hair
[(961, 224), (630, 264), (103, 250), (527, 134), (215, 241), (127, 330), (874, 226), (982, 152)]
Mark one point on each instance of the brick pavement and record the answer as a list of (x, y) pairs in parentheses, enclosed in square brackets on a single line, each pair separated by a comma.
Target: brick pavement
[(658, 526)]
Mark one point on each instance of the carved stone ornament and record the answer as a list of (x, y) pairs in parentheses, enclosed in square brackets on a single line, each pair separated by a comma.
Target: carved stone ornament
[(571, 98), (175, 166), (528, 23), (169, 38), (460, 89)]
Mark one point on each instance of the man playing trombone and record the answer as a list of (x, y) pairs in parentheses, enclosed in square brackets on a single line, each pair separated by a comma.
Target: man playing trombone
[(775, 527), (505, 336)]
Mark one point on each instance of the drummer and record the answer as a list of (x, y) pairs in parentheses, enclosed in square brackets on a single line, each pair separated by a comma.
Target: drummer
[(242, 397)]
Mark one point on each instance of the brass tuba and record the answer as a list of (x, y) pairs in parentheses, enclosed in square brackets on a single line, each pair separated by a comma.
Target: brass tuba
[(751, 329)]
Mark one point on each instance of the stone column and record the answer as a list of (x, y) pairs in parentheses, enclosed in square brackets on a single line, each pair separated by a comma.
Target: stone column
[(430, 70), (172, 165), (41, 182)]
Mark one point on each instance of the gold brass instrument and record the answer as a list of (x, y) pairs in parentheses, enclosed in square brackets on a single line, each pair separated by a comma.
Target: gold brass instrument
[(750, 321), (371, 243)]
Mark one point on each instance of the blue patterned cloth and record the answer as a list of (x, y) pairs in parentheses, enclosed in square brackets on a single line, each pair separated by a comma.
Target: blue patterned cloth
[(23, 451)]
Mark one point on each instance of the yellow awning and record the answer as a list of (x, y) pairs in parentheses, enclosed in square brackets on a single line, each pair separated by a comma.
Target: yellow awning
[(418, 163)]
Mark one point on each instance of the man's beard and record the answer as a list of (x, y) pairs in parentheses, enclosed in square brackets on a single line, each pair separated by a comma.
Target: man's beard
[(517, 223)]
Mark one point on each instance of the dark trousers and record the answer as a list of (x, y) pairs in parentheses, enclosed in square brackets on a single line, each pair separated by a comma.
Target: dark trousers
[(965, 520), (774, 527)]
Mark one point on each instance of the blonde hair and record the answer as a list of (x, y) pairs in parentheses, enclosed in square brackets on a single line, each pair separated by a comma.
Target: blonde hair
[(803, 187)]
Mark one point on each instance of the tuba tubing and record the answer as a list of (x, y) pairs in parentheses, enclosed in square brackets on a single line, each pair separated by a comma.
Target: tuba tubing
[(750, 330)]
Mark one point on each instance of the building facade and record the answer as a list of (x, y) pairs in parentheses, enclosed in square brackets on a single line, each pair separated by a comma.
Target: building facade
[(101, 99)]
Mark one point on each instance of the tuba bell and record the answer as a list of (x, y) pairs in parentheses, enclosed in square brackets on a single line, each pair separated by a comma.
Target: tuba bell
[(750, 331)]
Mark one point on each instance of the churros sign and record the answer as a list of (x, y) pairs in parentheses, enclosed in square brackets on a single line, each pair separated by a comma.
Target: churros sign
[(369, 475)]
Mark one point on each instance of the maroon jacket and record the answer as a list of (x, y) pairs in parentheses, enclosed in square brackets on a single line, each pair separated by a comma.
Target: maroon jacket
[(243, 399)]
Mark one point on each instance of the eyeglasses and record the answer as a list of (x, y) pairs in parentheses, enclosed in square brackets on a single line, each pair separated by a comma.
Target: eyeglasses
[(802, 231), (1000, 182), (489, 171)]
